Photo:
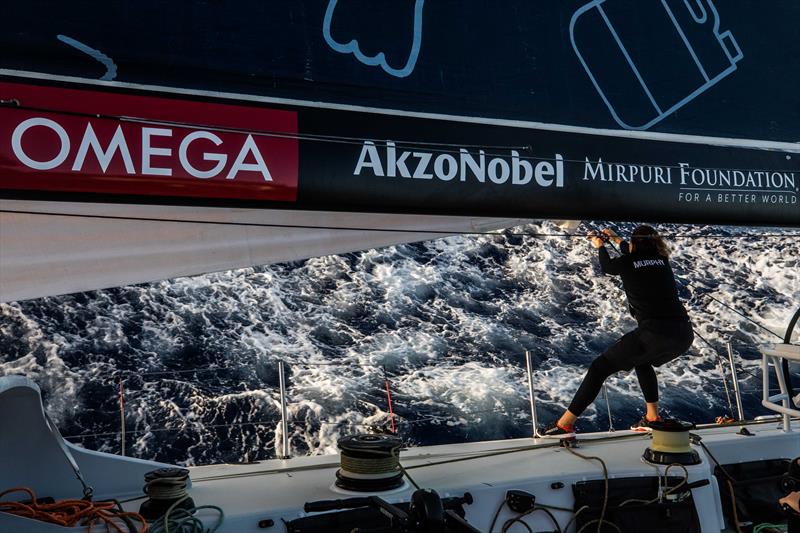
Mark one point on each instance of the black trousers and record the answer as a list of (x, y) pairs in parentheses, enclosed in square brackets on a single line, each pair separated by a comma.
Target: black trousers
[(652, 344)]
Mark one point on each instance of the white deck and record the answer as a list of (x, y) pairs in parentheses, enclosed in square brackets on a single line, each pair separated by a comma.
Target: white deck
[(277, 489)]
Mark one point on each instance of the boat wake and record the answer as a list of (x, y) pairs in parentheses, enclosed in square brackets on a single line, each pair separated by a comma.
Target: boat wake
[(445, 323)]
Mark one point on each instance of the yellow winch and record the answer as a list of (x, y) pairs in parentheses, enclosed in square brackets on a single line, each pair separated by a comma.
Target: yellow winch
[(671, 444)]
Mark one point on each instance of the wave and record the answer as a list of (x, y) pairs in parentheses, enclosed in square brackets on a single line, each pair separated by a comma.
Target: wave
[(445, 322)]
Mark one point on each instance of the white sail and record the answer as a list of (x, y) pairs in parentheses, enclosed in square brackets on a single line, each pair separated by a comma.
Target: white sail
[(75, 247)]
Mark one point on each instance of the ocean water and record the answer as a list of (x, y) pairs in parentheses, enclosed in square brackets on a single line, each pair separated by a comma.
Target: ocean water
[(445, 323)]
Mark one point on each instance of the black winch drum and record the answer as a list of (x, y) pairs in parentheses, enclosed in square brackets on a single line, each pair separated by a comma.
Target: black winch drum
[(369, 463)]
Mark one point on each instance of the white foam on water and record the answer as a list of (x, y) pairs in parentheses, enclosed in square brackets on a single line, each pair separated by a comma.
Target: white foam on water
[(446, 322)]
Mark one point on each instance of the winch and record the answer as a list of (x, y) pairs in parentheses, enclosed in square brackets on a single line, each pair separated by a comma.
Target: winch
[(165, 487), (671, 444), (369, 463)]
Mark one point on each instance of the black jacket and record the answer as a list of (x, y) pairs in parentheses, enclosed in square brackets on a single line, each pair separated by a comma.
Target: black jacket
[(648, 282)]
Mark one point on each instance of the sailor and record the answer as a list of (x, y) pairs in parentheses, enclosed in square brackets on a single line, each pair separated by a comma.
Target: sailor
[(791, 506), (664, 331)]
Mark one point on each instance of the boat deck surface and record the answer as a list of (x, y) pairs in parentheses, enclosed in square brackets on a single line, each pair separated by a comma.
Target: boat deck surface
[(277, 489)]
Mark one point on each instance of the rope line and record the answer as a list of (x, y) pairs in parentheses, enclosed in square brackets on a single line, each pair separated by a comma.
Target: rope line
[(519, 519), (389, 400), (721, 366), (373, 465), (271, 422), (382, 230), (334, 139), (602, 519), (339, 139), (185, 521), (72, 513), (157, 430), (455, 457), (711, 296), (167, 488), (225, 368), (752, 321)]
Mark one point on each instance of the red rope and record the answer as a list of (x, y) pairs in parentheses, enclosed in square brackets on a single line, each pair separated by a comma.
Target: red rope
[(389, 398), (121, 419)]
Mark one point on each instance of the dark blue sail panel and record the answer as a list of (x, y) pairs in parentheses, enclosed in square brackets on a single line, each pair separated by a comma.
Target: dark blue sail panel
[(496, 171), (700, 67), (397, 106)]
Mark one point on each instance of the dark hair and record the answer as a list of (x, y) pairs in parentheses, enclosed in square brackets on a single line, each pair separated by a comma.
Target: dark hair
[(646, 239)]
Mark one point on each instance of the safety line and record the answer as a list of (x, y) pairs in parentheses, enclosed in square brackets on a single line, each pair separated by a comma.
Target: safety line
[(721, 369), (743, 315), (271, 422)]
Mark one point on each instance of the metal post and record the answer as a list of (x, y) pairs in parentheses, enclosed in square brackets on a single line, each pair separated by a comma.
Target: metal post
[(284, 415), (784, 398), (608, 408), (531, 395), (725, 384), (735, 380)]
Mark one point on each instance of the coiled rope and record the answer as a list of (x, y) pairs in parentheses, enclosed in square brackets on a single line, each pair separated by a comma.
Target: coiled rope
[(167, 488), (72, 513), (178, 519), (186, 521), (372, 466)]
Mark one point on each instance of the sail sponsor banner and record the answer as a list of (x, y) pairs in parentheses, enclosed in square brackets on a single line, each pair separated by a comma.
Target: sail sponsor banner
[(56, 139), (412, 164), (722, 68), (68, 144)]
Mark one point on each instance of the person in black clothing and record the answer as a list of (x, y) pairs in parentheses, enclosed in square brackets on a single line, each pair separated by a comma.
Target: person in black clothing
[(664, 331), (791, 504)]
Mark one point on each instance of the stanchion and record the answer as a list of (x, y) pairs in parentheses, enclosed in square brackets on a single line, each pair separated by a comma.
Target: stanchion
[(284, 414), (531, 395)]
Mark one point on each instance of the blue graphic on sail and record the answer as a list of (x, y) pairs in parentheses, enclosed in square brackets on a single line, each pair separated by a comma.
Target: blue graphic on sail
[(111, 67), (644, 72), (379, 59)]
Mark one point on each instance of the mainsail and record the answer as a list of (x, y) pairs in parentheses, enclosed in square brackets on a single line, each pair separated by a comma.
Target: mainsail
[(51, 248), (316, 117)]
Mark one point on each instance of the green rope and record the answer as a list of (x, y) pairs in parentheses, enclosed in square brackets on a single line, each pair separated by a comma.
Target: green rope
[(185, 521), (373, 465), (763, 528)]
